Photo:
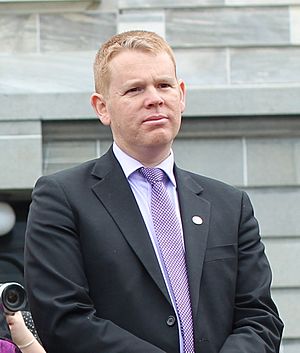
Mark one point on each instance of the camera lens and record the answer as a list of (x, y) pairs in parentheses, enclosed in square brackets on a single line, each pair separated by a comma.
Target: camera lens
[(13, 297)]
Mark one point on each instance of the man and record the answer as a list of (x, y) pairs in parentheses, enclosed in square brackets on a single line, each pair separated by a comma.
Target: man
[(103, 273)]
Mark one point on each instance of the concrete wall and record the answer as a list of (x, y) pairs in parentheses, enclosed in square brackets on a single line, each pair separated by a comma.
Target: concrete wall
[(241, 62)]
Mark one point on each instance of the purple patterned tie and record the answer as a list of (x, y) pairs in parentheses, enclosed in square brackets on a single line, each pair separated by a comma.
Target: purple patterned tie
[(169, 236)]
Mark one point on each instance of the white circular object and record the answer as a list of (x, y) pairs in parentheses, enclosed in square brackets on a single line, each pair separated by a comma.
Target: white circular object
[(197, 220), (7, 218)]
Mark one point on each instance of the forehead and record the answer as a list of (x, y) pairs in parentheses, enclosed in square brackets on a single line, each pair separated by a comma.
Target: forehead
[(131, 63)]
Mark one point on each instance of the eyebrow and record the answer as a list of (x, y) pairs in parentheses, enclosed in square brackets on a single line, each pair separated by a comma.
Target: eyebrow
[(138, 82)]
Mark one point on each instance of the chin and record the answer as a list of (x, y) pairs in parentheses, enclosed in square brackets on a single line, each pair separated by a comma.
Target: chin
[(160, 140)]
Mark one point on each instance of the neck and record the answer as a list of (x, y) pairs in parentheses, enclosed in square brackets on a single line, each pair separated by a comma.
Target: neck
[(149, 156)]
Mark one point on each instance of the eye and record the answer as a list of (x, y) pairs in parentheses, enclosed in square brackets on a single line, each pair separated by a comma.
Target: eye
[(134, 90), (164, 85)]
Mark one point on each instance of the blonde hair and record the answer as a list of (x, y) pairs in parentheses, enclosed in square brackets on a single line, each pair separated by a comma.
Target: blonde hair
[(133, 40)]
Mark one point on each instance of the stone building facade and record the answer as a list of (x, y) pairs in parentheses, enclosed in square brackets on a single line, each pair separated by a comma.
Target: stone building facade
[(241, 62)]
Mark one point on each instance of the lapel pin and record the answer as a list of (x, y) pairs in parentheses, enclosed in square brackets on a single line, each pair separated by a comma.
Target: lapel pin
[(197, 220)]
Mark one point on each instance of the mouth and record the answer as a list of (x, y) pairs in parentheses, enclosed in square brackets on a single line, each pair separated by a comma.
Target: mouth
[(155, 118)]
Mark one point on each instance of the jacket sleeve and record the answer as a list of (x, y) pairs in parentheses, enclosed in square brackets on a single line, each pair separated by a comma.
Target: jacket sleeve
[(57, 287), (257, 326)]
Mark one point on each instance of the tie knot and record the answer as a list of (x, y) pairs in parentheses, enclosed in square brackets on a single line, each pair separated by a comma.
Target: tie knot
[(153, 175)]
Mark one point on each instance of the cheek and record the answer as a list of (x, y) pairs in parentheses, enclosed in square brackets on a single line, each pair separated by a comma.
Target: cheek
[(122, 121), (177, 109), (175, 101)]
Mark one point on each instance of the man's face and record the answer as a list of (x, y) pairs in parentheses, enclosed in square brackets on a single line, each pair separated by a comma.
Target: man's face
[(144, 103)]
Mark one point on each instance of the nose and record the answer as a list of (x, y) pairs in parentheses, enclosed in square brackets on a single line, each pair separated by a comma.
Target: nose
[(153, 98)]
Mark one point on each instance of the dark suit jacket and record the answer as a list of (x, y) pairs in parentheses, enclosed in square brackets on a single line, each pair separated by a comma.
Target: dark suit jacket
[(94, 283)]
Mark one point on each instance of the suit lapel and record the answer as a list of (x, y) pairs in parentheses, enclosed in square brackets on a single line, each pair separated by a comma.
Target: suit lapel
[(115, 194), (195, 235)]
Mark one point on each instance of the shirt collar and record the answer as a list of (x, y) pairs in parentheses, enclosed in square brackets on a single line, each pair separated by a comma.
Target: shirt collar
[(130, 165)]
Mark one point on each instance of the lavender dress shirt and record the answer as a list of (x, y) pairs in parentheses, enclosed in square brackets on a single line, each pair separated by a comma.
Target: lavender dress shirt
[(142, 192)]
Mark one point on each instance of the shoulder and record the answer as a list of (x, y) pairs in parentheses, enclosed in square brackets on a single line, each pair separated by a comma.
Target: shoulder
[(97, 167), (222, 196), (205, 183), (72, 172)]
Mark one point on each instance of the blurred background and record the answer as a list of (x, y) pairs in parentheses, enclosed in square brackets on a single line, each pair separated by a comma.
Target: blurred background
[(240, 60)]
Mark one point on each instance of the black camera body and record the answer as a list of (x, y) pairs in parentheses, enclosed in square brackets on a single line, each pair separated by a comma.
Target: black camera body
[(13, 297)]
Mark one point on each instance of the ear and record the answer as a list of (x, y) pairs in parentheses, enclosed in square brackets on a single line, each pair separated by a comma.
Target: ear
[(182, 90), (99, 104)]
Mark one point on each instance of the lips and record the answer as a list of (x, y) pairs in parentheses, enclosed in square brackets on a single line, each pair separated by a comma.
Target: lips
[(155, 117)]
